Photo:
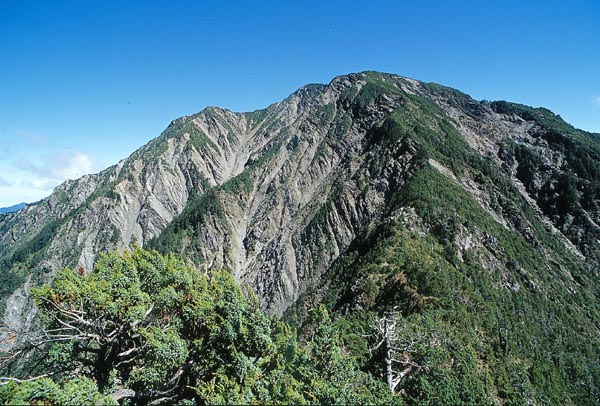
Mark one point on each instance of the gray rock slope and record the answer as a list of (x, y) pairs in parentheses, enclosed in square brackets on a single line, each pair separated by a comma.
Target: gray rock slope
[(276, 195)]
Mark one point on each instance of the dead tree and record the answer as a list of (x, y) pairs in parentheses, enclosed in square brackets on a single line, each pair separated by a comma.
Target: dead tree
[(398, 349)]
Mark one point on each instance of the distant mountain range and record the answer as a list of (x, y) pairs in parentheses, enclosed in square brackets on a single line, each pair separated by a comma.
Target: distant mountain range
[(478, 221), (12, 209)]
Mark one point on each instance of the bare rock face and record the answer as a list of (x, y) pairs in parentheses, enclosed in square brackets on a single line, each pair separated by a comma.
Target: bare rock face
[(275, 195)]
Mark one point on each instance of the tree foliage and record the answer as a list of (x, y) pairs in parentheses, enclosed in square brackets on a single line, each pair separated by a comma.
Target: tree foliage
[(147, 328)]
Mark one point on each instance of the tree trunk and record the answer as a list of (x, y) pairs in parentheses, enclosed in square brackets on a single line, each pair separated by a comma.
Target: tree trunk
[(388, 354)]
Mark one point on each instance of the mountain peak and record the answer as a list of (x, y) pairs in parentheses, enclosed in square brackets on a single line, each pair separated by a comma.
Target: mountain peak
[(373, 192)]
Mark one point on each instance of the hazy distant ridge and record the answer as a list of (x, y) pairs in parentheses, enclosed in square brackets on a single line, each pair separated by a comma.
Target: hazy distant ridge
[(13, 208)]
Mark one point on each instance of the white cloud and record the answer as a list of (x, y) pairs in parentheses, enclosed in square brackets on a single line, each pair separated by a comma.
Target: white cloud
[(32, 165), (596, 101), (74, 165), (60, 165), (22, 192), (33, 176), (41, 184)]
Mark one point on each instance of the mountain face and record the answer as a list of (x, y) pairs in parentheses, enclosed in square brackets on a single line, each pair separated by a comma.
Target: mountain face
[(374, 191)]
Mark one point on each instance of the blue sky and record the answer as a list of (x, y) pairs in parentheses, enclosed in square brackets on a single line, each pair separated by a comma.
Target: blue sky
[(84, 83)]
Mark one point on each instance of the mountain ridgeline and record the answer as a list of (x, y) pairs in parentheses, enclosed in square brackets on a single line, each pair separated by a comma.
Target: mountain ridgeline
[(476, 223)]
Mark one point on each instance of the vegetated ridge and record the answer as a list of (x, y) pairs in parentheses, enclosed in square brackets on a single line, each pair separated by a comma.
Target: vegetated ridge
[(477, 222)]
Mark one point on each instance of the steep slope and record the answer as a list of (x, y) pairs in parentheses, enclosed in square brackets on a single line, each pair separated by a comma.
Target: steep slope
[(267, 223), (373, 192), (130, 202), (322, 182), (498, 305)]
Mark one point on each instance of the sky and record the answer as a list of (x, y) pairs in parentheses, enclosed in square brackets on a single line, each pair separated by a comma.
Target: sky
[(85, 83)]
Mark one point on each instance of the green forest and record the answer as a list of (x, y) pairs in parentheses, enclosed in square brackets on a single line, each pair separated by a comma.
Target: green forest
[(146, 328), (460, 291)]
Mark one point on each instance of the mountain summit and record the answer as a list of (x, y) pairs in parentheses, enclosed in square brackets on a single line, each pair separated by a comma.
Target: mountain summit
[(372, 192)]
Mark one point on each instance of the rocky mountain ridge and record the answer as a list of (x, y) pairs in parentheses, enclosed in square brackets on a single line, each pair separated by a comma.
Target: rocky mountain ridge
[(278, 195)]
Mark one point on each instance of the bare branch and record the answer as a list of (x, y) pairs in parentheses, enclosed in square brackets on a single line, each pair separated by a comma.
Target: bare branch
[(127, 352), (378, 345), (6, 379), (73, 313)]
